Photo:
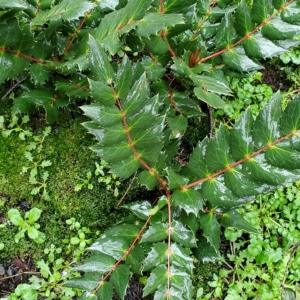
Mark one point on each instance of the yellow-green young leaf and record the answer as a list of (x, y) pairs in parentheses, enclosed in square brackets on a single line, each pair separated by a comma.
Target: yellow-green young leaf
[(120, 279), (99, 63), (209, 98), (232, 218), (154, 22), (158, 277), (211, 229), (33, 215), (182, 235), (98, 263), (140, 209), (105, 291), (157, 256), (15, 217), (189, 200)]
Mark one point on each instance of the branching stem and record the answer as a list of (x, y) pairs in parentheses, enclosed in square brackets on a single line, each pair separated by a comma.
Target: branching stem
[(230, 167), (248, 35), (138, 236)]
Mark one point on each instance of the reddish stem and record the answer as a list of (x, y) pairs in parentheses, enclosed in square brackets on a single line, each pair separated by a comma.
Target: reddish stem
[(18, 53), (270, 145), (248, 35)]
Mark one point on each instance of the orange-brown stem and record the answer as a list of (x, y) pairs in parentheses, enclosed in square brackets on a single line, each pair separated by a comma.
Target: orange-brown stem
[(18, 53), (248, 35), (270, 145), (124, 255)]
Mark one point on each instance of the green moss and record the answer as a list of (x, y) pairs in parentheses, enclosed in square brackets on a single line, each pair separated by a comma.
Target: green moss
[(67, 147)]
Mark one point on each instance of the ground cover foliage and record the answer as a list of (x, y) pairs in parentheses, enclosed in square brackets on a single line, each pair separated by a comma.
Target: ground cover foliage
[(149, 66)]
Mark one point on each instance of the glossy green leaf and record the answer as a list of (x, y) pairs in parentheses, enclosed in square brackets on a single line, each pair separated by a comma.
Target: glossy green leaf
[(16, 4), (148, 179), (158, 277), (209, 98), (112, 246), (232, 218), (69, 10), (283, 156), (104, 116), (102, 93), (25, 103), (276, 29), (237, 60), (241, 141), (126, 231), (140, 209), (211, 229), (154, 22), (98, 263), (218, 151), (181, 283), (126, 168), (290, 119), (123, 78), (157, 256), (153, 68), (188, 199), (226, 34), (291, 14), (155, 233), (86, 283), (120, 279), (175, 180), (259, 47), (182, 235), (266, 124), (136, 259), (243, 21), (278, 3), (6, 61), (219, 195), (243, 186), (261, 10), (105, 291), (181, 258), (214, 85), (197, 164), (99, 63), (39, 73), (205, 252)]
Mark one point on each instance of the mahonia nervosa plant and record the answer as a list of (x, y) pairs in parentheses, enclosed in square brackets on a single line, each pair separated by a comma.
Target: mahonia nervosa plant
[(139, 112)]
